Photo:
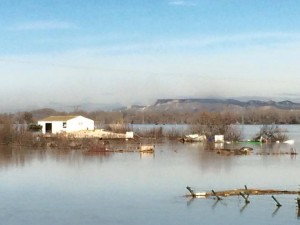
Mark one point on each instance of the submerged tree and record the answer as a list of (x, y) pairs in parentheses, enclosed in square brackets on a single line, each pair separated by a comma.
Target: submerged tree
[(270, 133), (211, 124)]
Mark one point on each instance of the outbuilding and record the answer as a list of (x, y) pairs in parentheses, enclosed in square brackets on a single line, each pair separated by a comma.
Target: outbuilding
[(67, 124)]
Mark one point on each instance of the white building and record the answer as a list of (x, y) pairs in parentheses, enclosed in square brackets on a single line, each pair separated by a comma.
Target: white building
[(59, 124)]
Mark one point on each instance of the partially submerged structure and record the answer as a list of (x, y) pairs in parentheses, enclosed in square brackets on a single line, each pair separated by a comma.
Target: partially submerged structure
[(65, 124), (202, 138), (78, 127), (101, 133), (193, 138)]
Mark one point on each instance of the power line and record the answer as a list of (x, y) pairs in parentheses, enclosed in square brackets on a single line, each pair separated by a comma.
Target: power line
[(96, 68)]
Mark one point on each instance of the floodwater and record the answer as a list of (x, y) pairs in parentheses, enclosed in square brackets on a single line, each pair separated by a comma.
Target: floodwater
[(71, 187)]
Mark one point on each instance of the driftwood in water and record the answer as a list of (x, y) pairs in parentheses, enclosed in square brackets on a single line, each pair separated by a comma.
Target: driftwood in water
[(241, 151), (237, 192), (252, 192), (121, 147)]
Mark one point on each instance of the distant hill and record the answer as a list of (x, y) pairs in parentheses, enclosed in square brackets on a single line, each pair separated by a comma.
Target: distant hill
[(171, 105), (214, 105)]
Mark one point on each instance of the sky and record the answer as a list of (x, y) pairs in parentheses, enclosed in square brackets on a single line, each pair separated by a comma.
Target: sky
[(76, 52)]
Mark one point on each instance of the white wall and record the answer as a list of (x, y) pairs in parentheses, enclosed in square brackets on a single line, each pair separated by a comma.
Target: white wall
[(43, 124), (219, 138), (80, 123), (76, 124), (57, 126)]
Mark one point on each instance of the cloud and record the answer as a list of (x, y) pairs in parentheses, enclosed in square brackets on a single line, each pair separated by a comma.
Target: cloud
[(43, 25), (233, 73), (182, 3)]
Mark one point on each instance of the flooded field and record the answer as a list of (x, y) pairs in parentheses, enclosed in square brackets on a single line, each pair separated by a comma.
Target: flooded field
[(73, 187)]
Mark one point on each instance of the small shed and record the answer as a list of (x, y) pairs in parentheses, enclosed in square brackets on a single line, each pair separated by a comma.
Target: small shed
[(219, 138), (60, 124)]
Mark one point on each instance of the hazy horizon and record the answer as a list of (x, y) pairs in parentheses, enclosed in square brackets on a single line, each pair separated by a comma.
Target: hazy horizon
[(134, 52), (92, 107)]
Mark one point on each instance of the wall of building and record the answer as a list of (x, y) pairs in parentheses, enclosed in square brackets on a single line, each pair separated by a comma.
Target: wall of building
[(75, 124), (57, 126), (80, 123)]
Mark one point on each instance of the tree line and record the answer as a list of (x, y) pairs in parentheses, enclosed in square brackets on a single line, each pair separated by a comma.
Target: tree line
[(19, 127), (228, 116)]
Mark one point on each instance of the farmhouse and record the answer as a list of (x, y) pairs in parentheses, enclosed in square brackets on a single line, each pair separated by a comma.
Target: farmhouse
[(60, 124)]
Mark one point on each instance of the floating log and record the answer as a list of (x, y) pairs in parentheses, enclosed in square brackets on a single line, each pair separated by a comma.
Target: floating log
[(215, 194), (194, 195), (128, 148), (241, 151), (237, 192)]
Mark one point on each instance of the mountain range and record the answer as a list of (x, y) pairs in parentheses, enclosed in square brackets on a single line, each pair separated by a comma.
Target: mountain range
[(174, 105), (203, 104)]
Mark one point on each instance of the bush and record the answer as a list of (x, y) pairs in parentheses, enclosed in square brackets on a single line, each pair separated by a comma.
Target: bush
[(35, 127), (117, 128), (270, 133), (233, 133), (211, 124), (155, 132)]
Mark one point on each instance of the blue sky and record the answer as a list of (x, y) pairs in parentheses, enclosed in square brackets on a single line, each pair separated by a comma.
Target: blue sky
[(135, 51)]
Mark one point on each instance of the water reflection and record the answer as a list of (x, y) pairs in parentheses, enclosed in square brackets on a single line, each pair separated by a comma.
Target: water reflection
[(298, 206), (211, 161), (190, 201), (195, 153), (275, 211), (134, 188), (214, 205), (13, 157), (147, 155), (20, 157), (243, 208)]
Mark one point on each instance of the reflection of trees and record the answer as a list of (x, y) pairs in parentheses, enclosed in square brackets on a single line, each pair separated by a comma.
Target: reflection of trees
[(5, 156), (274, 149), (210, 161), (9, 157), (18, 157)]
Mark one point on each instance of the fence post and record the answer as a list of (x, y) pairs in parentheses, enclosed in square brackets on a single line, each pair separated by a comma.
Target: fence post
[(215, 194), (278, 204), (191, 191), (244, 197)]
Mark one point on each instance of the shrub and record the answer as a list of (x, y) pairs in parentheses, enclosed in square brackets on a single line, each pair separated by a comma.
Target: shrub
[(34, 127), (270, 133)]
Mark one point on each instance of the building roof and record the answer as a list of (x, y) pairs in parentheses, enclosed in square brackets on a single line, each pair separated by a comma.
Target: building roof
[(58, 118)]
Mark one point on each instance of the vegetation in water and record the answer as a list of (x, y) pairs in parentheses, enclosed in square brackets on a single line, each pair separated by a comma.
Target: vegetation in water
[(270, 133), (22, 128)]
